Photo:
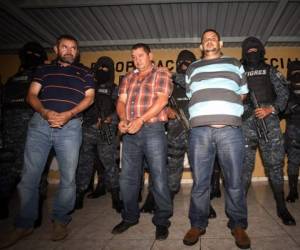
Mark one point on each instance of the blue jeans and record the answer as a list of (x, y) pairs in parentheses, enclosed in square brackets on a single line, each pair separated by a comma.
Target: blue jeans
[(150, 142), (66, 142), (228, 144)]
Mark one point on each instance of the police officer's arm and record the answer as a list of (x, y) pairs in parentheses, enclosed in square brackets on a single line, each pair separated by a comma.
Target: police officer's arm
[(243, 97), (121, 111), (281, 89), (161, 101), (35, 103)]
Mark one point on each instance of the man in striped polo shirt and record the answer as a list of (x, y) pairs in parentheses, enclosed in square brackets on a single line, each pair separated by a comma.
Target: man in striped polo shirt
[(58, 93), (216, 86)]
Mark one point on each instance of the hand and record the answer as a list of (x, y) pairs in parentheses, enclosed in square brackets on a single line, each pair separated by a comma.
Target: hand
[(261, 113), (135, 125), (50, 116), (171, 113), (108, 119), (123, 126), (60, 119)]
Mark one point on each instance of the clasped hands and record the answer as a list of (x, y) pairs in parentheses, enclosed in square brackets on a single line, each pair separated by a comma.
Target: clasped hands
[(56, 119), (131, 127)]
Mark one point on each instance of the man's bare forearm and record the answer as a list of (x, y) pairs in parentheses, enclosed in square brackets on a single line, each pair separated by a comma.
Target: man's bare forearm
[(121, 110)]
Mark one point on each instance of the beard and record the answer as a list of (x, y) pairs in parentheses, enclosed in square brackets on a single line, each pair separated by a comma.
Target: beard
[(68, 58)]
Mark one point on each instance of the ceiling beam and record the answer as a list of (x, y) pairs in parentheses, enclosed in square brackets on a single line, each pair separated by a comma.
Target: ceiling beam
[(26, 20), (92, 3), (166, 41), (274, 20)]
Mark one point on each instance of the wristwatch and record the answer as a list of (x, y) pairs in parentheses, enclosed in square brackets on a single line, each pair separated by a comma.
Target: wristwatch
[(274, 112)]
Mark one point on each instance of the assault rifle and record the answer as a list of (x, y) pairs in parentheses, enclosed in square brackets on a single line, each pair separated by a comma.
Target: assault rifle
[(105, 131), (261, 127), (180, 116)]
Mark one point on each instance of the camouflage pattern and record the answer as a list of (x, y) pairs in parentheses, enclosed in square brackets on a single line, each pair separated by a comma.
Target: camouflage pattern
[(16, 115), (93, 142), (292, 115), (177, 147), (272, 152), (292, 146)]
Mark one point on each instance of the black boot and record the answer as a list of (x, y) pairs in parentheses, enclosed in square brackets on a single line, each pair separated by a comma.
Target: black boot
[(212, 213), (282, 210), (38, 221), (149, 205), (116, 202), (79, 200), (4, 210), (293, 184), (99, 191)]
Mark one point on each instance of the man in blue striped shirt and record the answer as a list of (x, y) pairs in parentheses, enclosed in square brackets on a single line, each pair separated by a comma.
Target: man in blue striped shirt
[(216, 86), (58, 93)]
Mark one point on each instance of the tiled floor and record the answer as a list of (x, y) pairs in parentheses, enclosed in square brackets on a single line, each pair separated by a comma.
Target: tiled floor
[(91, 226)]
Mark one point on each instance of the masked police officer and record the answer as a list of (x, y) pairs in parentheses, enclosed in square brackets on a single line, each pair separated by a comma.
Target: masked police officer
[(261, 126), (16, 114), (292, 134), (99, 131)]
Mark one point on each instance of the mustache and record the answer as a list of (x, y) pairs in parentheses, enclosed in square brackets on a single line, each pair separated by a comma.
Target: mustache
[(211, 50)]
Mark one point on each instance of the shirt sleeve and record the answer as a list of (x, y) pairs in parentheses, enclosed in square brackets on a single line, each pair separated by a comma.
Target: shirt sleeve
[(89, 80), (38, 75), (164, 83), (123, 85)]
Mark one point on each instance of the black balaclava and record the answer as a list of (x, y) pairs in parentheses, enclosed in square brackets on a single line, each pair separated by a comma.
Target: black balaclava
[(185, 57), (31, 55), (253, 59), (101, 75)]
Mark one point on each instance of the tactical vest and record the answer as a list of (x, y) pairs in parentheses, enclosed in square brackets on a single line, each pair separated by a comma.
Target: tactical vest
[(103, 106), (259, 81), (15, 90), (181, 98), (104, 100)]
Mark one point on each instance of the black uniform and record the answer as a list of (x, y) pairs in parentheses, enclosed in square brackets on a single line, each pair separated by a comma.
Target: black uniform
[(16, 114), (292, 134), (271, 92), (100, 135)]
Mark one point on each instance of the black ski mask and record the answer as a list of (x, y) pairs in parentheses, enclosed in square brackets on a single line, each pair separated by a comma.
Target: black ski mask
[(31, 55), (102, 76), (104, 70), (252, 58), (184, 59)]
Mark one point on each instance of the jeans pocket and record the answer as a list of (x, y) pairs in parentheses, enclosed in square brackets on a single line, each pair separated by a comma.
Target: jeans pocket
[(35, 121)]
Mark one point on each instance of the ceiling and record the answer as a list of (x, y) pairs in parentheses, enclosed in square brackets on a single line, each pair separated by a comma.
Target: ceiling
[(118, 24)]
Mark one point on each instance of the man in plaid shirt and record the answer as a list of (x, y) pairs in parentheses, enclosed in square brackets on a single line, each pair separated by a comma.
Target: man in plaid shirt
[(143, 96)]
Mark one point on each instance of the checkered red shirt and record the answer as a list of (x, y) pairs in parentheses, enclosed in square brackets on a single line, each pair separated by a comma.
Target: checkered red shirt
[(141, 94)]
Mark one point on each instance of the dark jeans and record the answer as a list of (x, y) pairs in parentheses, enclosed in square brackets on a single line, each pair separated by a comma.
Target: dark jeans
[(150, 142), (228, 144)]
